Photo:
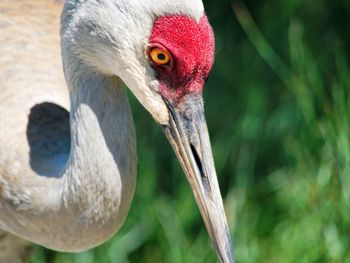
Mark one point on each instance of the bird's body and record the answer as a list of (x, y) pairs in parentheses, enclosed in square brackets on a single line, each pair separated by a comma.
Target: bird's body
[(24, 179), (31, 73), (30, 35), (67, 180), (14, 249)]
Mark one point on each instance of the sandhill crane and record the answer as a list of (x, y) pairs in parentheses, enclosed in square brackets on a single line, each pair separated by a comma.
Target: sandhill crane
[(67, 180)]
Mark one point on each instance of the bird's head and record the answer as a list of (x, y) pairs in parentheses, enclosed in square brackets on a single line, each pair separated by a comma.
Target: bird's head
[(163, 51)]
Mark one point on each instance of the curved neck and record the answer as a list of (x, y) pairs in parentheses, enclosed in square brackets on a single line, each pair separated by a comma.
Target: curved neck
[(89, 201), (102, 138), (99, 180)]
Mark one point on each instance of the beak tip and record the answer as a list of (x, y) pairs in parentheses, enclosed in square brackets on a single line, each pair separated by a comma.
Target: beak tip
[(226, 250)]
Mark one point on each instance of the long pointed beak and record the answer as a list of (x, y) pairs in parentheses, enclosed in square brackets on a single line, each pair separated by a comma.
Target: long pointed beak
[(188, 134)]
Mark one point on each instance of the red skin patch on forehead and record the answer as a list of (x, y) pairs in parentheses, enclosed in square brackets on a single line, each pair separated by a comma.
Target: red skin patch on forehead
[(191, 46)]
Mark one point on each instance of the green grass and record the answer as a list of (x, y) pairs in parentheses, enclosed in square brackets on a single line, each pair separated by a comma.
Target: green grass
[(278, 110)]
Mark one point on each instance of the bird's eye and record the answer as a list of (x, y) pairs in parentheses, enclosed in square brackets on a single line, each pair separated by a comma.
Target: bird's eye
[(159, 56)]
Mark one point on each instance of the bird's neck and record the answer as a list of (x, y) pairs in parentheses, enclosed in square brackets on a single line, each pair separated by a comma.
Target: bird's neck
[(89, 200), (102, 135), (99, 179)]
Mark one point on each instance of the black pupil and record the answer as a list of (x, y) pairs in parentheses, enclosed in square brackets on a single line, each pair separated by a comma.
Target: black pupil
[(161, 56)]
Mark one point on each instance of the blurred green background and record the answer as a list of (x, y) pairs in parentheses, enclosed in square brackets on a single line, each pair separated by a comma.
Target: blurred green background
[(277, 106)]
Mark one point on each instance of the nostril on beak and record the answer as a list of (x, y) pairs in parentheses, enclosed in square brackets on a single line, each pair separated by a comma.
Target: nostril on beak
[(199, 163)]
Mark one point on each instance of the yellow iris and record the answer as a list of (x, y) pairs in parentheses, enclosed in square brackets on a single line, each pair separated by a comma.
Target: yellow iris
[(159, 56)]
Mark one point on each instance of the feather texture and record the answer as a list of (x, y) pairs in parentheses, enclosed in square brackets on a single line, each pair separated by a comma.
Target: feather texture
[(65, 203), (13, 249), (30, 63)]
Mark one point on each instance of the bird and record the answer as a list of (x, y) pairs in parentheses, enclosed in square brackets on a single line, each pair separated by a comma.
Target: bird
[(67, 137)]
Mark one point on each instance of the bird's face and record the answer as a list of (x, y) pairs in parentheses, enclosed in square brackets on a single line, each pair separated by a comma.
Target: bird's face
[(163, 51), (181, 52)]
